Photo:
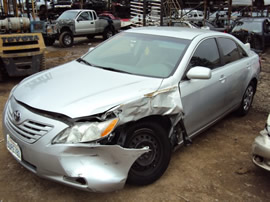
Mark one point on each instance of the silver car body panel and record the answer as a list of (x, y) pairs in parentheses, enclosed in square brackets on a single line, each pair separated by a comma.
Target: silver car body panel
[(96, 92), (103, 167)]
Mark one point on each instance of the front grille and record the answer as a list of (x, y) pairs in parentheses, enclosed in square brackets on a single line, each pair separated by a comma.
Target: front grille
[(21, 51), (29, 130)]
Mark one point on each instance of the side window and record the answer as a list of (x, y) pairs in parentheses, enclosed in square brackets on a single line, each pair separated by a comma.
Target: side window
[(229, 49), (94, 15), (91, 16), (206, 55), (84, 16)]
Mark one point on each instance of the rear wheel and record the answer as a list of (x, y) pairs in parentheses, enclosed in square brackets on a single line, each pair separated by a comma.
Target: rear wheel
[(49, 41), (108, 32), (90, 36), (66, 39), (150, 166), (247, 99)]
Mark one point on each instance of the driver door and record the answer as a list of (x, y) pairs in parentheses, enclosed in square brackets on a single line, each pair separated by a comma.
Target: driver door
[(84, 23), (203, 100)]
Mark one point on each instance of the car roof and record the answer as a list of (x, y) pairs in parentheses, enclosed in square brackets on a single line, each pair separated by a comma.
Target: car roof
[(177, 32)]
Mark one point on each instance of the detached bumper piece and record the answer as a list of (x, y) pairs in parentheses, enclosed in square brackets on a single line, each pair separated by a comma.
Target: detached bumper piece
[(261, 151)]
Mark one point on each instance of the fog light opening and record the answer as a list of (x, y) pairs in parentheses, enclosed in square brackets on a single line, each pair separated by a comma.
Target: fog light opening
[(76, 180)]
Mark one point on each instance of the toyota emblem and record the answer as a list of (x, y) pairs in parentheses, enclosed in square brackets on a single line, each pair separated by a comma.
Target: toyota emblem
[(17, 115)]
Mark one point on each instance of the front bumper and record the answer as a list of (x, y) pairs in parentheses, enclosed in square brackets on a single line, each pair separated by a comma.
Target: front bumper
[(91, 167), (261, 151)]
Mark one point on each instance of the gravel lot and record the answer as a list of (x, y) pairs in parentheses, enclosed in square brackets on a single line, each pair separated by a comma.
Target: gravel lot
[(216, 167)]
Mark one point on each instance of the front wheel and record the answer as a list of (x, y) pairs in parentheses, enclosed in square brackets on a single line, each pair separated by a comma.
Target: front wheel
[(247, 99), (66, 39), (150, 166), (49, 41)]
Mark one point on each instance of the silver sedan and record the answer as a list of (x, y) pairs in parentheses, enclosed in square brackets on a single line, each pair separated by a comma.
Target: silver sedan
[(116, 114)]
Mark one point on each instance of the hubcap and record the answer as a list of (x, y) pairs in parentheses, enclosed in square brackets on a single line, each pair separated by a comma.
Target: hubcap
[(109, 34), (146, 138), (248, 98), (67, 39)]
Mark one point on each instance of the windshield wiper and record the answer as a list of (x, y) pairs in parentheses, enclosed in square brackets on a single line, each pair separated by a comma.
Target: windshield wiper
[(114, 70), (84, 61)]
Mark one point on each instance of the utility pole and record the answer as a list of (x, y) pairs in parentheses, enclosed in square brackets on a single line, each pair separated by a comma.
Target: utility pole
[(205, 12)]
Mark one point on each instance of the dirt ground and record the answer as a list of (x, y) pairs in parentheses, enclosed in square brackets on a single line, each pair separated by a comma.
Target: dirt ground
[(216, 167)]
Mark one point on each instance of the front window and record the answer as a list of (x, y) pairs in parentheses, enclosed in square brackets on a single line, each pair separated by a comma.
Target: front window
[(84, 17), (206, 55), (140, 54)]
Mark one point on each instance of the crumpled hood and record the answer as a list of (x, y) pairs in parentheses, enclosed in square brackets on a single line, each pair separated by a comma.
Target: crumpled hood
[(78, 90)]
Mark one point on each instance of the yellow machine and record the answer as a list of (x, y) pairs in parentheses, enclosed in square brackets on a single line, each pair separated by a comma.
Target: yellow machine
[(21, 53)]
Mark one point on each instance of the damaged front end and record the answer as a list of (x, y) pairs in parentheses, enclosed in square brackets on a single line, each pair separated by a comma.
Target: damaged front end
[(90, 153)]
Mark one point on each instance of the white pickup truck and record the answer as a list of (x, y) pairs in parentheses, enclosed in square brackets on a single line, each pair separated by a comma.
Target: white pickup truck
[(78, 23)]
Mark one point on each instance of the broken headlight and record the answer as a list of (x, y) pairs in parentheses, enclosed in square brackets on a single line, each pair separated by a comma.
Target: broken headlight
[(86, 132)]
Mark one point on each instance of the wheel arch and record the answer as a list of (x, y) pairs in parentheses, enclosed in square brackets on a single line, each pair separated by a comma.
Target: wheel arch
[(111, 27), (121, 131), (255, 81), (66, 29)]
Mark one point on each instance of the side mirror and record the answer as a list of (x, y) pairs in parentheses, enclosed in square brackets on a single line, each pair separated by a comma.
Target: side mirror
[(199, 73)]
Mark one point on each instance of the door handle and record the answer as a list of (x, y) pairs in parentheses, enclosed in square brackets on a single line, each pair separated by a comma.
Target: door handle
[(91, 23), (222, 78)]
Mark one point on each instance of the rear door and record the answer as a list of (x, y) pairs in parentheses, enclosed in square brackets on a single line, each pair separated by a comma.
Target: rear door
[(236, 66), (203, 100)]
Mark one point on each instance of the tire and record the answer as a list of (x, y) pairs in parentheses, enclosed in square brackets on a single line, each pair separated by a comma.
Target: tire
[(66, 39), (247, 99), (90, 37), (108, 32), (49, 41), (151, 165)]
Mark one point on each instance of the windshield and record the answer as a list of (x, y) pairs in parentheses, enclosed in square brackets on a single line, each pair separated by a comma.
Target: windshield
[(68, 15), (139, 54), (248, 26)]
